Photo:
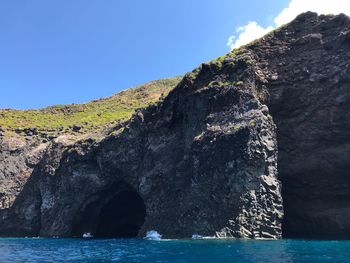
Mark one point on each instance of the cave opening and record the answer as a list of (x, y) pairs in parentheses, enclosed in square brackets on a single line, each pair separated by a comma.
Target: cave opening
[(112, 215), (316, 203)]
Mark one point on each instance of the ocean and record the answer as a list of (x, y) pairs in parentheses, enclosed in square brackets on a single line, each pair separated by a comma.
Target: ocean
[(139, 250)]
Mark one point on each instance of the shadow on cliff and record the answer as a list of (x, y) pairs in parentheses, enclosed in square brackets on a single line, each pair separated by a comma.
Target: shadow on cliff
[(116, 212), (206, 157), (23, 218)]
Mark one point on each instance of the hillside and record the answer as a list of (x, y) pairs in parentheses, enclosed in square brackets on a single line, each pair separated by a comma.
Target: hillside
[(254, 144), (93, 116)]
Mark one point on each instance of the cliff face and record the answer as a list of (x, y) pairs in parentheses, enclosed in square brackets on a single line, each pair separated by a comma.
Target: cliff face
[(205, 160), (309, 102), (201, 162)]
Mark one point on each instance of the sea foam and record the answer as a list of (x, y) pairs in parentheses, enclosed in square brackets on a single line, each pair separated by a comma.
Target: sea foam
[(87, 235), (153, 235)]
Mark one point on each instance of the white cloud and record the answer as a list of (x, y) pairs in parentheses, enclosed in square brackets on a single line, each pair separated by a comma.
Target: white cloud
[(296, 7), (247, 34), (253, 30)]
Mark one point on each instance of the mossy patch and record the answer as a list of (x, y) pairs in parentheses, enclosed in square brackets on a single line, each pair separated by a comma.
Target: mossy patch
[(93, 116)]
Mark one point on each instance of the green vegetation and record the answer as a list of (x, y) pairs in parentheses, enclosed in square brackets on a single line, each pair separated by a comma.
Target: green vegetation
[(237, 127), (232, 54), (236, 55), (93, 116), (218, 83), (252, 122), (236, 52), (221, 58), (224, 83), (238, 83), (193, 74)]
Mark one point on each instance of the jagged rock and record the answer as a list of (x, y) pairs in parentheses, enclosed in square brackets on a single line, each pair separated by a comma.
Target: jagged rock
[(204, 160), (18, 130), (312, 117), (76, 128), (31, 131)]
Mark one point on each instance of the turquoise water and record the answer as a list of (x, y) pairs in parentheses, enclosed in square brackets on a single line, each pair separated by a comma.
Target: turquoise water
[(134, 250)]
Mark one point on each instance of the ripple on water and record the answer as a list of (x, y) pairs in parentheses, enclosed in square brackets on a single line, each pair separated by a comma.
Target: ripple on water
[(201, 250)]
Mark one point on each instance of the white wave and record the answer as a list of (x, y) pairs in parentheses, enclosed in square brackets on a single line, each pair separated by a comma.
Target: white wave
[(196, 236), (153, 235), (87, 235)]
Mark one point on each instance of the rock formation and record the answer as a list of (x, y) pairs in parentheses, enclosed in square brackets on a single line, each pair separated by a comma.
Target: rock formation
[(210, 158), (309, 99)]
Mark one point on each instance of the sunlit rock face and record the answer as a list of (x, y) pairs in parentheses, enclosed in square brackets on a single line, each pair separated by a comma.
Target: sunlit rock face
[(210, 159), (202, 161)]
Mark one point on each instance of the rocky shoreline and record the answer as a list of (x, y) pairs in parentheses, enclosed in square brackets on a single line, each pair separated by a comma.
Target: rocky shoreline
[(254, 144)]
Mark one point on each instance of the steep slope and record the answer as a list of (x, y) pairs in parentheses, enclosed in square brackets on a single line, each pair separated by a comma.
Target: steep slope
[(209, 158), (89, 117), (25, 135), (305, 68), (202, 161)]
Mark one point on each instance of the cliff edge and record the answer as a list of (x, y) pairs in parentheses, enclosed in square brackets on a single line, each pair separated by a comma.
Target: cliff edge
[(216, 157)]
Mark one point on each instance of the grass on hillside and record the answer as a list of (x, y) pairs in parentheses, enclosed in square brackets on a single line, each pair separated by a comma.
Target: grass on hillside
[(92, 116)]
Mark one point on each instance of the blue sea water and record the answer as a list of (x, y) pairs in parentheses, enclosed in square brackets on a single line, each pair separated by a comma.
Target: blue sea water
[(136, 250)]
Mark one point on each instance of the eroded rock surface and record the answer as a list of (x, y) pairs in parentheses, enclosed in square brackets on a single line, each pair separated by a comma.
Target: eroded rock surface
[(202, 161), (205, 160), (309, 65)]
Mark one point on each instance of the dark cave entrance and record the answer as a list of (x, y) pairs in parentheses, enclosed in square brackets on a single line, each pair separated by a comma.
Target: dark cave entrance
[(112, 215), (318, 207)]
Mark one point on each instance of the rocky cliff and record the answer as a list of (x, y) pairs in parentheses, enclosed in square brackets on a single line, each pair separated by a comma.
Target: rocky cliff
[(213, 158)]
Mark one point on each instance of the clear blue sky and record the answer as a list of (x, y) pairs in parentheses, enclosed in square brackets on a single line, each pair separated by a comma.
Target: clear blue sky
[(72, 51)]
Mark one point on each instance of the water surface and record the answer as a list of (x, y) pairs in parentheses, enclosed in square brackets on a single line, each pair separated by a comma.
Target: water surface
[(136, 250)]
